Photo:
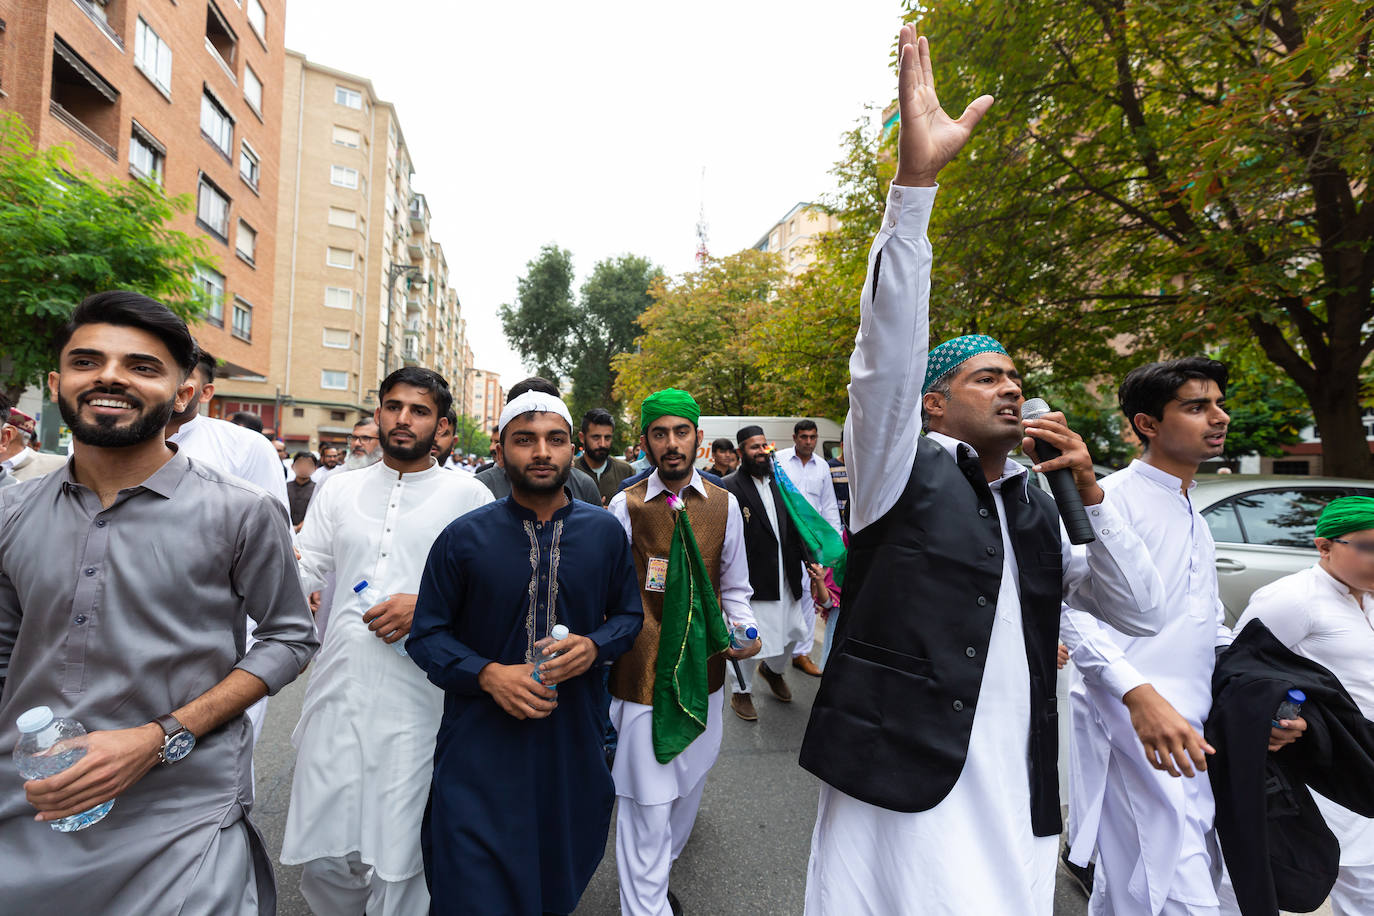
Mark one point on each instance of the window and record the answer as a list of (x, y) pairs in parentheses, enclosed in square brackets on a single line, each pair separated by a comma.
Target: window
[(345, 136), (348, 219), (243, 320), (336, 415), (297, 411), (337, 338), (339, 257), (257, 18), (216, 124), (1284, 518), (337, 381), (343, 177), (146, 155), (348, 98), (83, 100), (337, 297), (220, 38), (213, 285), (252, 88), (246, 242), (212, 209), (153, 56), (249, 165)]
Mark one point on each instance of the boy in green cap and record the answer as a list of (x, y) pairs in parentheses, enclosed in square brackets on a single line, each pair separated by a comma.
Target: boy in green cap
[(688, 543)]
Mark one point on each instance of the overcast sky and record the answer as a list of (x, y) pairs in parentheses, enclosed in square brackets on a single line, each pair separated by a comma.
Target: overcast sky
[(588, 124)]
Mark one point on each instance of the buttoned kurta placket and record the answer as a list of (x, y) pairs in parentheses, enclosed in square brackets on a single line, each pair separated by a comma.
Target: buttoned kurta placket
[(542, 596)]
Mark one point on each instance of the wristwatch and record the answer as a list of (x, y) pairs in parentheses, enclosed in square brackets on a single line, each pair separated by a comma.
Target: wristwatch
[(177, 741)]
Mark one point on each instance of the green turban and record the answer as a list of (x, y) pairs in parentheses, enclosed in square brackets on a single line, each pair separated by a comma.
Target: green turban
[(670, 402), (1344, 515)]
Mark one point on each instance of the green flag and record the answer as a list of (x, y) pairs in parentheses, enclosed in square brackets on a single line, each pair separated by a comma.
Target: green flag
[(823, 543), (692, 631)]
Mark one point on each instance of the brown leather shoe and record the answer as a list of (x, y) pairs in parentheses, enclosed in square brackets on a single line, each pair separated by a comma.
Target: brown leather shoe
[(805, 665), (743, 705), (775, 683)]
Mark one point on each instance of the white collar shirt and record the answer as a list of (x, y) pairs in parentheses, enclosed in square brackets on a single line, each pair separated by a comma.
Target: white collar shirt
[(235, 450)]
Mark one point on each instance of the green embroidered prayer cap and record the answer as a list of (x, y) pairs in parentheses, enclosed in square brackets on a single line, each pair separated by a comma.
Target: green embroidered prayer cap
[(670, 402), (953, 352), (1344, 515)]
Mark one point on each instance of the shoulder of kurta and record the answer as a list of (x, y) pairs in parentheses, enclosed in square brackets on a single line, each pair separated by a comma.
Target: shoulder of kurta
[(251, 493)]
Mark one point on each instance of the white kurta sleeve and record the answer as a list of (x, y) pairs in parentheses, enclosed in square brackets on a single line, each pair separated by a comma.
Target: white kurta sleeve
[(621, 510), (1114, 578), (1289, 620), (735, 590), (1097, 655), (262, 467), (830, 506), (888, 366), (316, 540)]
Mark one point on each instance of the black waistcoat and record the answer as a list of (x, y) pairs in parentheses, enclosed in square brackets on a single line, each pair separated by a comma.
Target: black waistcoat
[(760, 547), (891, 722)]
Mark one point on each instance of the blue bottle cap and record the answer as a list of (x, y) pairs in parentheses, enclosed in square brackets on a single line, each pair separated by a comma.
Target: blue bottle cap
[(1297, 696), (360, 586), (751, 633)]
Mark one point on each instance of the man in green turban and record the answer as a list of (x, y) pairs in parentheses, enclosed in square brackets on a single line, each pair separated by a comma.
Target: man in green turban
[(687, 538), (1326, 613)]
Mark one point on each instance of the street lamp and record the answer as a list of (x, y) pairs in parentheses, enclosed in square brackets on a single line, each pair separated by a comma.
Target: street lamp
[(396, 270)]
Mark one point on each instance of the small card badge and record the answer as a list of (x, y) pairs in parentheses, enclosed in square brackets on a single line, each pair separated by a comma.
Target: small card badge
[(657, 578)]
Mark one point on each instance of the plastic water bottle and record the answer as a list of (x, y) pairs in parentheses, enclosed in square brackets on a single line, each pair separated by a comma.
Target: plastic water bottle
[(742, 636), (1290, 707), (557, 634), (368, 598), (39, 731)]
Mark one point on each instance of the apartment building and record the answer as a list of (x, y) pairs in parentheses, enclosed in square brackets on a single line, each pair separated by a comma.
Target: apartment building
[(486, 398), (362, 288), (793, 237), (187, 95)]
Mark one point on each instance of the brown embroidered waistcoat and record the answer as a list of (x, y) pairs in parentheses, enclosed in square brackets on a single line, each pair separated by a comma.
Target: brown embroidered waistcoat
[(651, 526)]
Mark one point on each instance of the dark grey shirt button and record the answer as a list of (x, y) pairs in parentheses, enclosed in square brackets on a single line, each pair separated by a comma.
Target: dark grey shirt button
[(983, 512), (101, 523), (80, 619), (90, 570), (970, 652), (992, 551), (982, 602), (958, 705)]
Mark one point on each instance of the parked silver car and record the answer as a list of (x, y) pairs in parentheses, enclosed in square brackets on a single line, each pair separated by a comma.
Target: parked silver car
[(1263, 526)]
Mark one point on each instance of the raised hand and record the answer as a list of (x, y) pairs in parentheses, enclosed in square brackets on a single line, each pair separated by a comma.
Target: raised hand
[(928, 139)]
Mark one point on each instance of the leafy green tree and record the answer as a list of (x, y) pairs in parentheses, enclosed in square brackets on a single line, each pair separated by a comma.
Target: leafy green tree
[(64, 236), (1161, 176), (470, 438), (1268, 410), (707, 332), (574, 340)]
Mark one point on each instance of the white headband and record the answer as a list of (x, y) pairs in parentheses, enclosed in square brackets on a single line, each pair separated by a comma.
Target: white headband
[(531, 401)]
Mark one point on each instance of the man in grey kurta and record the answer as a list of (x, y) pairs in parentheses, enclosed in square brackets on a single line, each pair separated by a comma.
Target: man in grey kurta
[(122, 610)]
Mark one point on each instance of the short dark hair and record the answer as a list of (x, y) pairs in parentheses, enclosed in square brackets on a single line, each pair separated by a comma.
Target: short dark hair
[(533, 383), (365, 420), (247, 420), (5, 408), (299, 455), (803, 425), (205, 363), (597, 416), (722, 445), (452, 417), (326, 446), (134, 310), (427, 380), (1147, 389)]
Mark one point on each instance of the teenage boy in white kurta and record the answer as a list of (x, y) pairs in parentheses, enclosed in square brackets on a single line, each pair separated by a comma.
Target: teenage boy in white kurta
[(365, 740), (1326, 613)]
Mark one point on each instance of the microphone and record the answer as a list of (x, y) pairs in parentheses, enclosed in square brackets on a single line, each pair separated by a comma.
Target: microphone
[(1066, 495)]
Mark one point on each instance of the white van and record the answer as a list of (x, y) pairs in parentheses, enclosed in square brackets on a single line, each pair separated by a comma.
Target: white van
[(777, 429)]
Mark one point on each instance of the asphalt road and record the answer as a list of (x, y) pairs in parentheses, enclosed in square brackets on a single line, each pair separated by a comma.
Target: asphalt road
[(748, 850)]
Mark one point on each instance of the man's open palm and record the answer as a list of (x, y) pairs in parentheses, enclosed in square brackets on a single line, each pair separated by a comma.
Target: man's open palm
[(929, 139)]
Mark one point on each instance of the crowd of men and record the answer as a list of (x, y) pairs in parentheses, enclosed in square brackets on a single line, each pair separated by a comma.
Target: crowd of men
[(505, 655)]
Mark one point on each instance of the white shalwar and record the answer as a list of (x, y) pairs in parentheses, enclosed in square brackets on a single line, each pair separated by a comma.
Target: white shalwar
[(365, 740), (815, 483), (250, 457), (1153, 832), (1321, 618), (975, 851), (784, 625), (657, 802)]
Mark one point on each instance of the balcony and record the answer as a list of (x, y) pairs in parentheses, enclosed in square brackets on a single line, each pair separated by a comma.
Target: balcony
[(419, 213), (411, 350)]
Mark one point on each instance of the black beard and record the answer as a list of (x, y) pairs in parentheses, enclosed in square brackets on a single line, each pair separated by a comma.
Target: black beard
[(598, 455), (442, 457), (521, 481), (102, 433), (668, 475), (410, 452), (757, 467)]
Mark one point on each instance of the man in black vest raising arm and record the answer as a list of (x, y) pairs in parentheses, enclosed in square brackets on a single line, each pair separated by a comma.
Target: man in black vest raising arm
[(934, 730)]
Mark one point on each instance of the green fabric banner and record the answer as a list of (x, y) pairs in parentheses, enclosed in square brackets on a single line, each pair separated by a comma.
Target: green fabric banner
[(823, 543), (692, 631)]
